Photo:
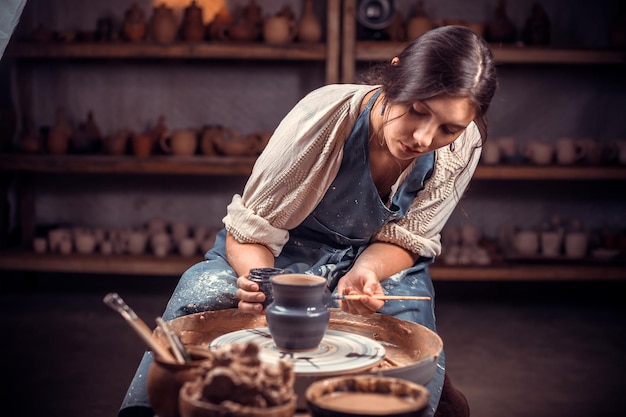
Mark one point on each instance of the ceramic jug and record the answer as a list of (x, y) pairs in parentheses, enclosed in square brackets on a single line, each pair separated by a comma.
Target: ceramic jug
[(181, 142), (569, 151), (309, 27), (279, 30), (192, 28), (298, 317), (163, 25)]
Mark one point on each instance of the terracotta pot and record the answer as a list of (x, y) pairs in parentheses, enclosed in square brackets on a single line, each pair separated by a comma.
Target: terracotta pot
[(142, 145), (229, 142), (165, 380), (117, 142), (501, 28), (217, 30)]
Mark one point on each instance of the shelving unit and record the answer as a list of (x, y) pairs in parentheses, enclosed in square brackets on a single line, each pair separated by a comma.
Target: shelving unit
[(338, 68)]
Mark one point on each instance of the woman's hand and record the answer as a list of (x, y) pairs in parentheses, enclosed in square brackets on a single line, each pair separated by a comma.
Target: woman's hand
[(250, 297), (360, 282)]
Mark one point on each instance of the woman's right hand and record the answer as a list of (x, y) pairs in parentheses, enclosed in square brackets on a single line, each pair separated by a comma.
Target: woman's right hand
[(250, 297)]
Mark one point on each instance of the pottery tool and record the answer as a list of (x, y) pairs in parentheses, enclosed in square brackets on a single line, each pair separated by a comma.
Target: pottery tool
[(177, 346), (381, 297), (114, 301)]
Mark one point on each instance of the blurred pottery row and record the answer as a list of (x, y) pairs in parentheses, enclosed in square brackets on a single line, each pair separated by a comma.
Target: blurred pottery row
[(212, 140), (157, 237), (563, 151), (165, 25)]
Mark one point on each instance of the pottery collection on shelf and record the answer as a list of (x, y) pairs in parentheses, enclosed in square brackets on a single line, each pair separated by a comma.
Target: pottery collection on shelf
[(562, 151), (157, 237)]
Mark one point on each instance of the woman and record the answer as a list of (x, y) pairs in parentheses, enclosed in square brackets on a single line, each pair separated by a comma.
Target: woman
[(355, 185)]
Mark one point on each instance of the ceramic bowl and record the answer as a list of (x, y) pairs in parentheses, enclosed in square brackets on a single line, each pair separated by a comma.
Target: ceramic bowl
[(191, 407), (366, 395)]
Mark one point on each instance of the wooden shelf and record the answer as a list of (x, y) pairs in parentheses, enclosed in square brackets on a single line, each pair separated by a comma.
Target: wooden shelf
[(179, 50), (504, 54), (221, 165), (175, 265), (550, 172), (105, 164)]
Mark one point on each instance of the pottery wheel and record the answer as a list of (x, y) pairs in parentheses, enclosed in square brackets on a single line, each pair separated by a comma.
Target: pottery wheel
[(338, 353)]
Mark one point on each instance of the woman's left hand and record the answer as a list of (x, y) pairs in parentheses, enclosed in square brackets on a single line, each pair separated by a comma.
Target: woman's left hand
[(362, 282)]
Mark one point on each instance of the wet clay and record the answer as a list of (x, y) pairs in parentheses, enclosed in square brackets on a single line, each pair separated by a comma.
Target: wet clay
[(365, 403)]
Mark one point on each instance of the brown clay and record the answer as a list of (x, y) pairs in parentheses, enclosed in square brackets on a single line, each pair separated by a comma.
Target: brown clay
[(192, 28), (163, 25)]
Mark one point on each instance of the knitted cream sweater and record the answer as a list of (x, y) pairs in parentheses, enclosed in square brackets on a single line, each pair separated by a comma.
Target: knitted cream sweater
[(303, 157)]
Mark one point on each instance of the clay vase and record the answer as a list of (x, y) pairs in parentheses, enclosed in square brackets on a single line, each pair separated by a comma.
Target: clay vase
[(163, 25), (419, 23), (134, 26), (181, 142), (298, 317), (87, 137), (309, 27), (279, 30), (537, 28), (501, 29), (59, 135), (165, 380), (192, 27)]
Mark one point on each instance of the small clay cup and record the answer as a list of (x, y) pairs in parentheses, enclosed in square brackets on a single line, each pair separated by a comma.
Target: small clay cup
[(165, 380)]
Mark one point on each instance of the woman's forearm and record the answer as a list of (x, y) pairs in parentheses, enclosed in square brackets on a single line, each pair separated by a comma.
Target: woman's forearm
[(385, 259), (245, 256)]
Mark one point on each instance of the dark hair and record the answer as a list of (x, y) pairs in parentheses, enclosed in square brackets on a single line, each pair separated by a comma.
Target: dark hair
[(449, 60)]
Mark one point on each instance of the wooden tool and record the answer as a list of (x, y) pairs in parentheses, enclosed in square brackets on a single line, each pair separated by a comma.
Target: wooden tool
[(381, 297), (175, 344), (114, 301)]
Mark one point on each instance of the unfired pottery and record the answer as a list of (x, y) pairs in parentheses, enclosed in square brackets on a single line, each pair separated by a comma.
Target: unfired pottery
[(163, 25)]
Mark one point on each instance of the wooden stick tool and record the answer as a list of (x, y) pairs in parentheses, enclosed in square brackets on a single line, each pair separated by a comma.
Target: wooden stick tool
[(381, 297), (114, 301)]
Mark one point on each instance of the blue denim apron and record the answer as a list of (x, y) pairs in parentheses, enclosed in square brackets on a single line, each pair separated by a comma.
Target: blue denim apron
[(326, 244)]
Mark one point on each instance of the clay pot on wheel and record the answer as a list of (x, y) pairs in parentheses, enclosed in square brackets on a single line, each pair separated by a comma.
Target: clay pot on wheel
[(298, 317)]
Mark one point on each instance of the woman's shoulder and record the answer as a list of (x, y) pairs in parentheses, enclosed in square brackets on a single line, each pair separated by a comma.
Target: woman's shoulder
[(334, 92)]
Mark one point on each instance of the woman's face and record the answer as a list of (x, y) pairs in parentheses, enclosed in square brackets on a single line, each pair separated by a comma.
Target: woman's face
[(426, 126)]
